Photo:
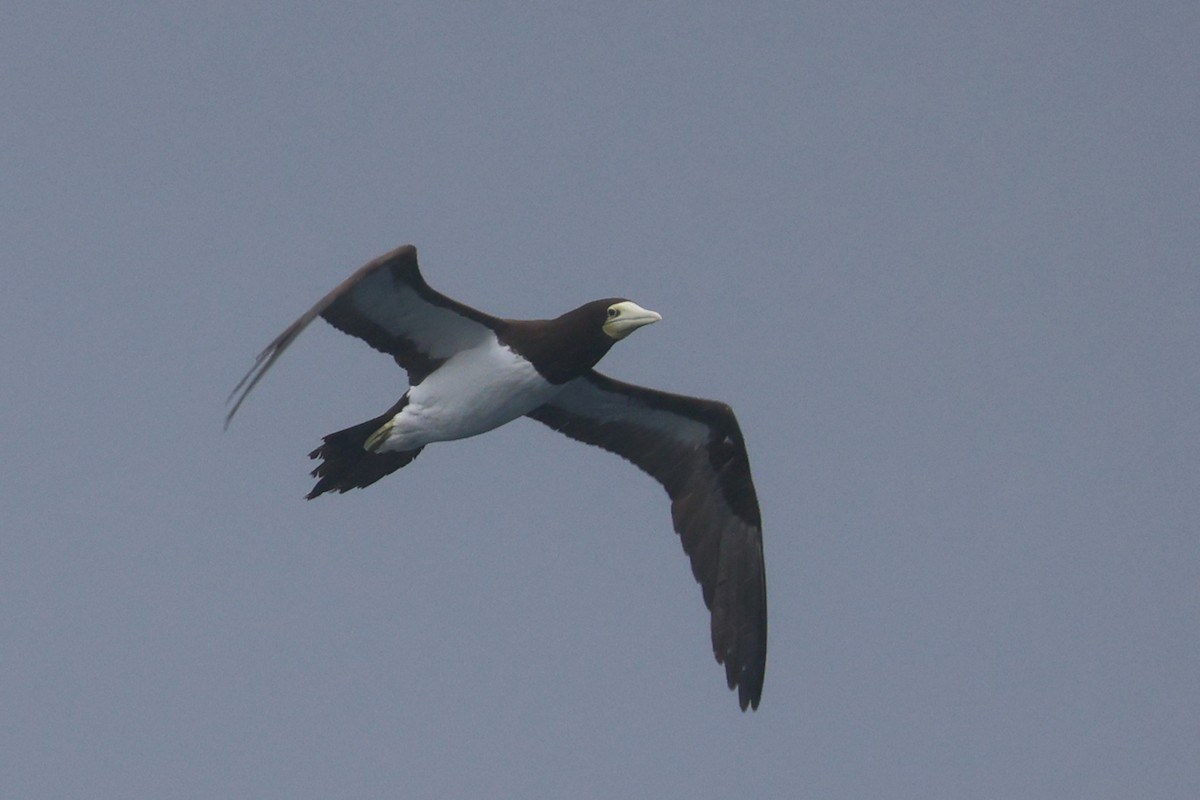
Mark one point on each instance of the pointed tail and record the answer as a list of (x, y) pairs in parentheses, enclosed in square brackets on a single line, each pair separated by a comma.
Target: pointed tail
[(346, 463)]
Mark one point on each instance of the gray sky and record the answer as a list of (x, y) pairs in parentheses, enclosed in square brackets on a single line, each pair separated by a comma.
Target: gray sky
[(942, 262)]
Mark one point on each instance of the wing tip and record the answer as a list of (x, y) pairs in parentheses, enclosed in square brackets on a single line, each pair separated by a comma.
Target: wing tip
[(748, 684)]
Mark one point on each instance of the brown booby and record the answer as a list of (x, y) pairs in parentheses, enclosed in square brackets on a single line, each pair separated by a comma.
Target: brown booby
[(470, 372)]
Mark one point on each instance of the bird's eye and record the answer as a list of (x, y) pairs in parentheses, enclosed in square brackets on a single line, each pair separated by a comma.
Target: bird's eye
[(613, 313)]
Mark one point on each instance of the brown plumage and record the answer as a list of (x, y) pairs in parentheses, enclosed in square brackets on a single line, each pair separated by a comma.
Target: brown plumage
[(543, 369)]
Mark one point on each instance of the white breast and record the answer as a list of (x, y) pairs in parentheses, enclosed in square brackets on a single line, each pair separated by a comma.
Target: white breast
[(475, 391)]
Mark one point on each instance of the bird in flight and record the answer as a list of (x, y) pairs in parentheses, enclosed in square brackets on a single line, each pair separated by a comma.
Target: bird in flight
[(470, 372)]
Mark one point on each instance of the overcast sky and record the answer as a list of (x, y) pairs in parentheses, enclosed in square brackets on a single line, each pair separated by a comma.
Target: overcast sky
[(941, 258)]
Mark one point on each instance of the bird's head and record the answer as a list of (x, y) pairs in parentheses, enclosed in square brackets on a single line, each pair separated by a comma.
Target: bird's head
[(623, 317)]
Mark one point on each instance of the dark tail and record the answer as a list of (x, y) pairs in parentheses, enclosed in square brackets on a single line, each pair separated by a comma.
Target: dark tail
[(346, 464)]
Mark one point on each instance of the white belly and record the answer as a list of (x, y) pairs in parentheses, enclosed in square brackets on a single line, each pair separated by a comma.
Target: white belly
[(475, 391)]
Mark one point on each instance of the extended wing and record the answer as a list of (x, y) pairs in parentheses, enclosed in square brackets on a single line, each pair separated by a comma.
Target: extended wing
[(387, 304), (694, 448)]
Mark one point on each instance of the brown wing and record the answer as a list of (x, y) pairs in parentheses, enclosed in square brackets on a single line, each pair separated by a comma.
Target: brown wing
[(387, 304), (694, 448)]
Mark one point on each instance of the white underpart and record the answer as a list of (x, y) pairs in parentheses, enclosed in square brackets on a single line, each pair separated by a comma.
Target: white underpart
[(475, 391)]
